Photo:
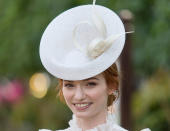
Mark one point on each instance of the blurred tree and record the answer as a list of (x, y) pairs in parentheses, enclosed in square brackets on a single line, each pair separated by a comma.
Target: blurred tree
[(23, 22), (151, 46), (31, 114), (21, 26), (151, 104)]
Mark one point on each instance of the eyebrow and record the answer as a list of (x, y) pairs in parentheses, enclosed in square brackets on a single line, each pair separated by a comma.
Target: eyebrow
[(91, 78), (84, 80)]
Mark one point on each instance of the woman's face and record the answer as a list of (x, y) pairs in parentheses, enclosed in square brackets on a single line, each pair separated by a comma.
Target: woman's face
[(86, 98)]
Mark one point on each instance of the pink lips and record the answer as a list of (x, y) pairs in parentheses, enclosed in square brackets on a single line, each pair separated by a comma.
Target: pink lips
[(82, 106)]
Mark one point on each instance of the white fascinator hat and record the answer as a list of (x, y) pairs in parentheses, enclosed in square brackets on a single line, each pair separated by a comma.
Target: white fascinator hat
[(82, 42)]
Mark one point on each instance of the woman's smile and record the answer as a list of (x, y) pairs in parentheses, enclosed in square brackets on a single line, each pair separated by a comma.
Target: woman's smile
[(82, 106), (86, 98)]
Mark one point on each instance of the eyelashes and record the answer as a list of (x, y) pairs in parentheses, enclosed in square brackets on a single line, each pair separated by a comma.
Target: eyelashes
[(68, 85), (91, 84), (88, 84)]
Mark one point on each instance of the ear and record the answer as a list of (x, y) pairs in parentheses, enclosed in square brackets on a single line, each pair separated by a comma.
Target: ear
[(110, 88)]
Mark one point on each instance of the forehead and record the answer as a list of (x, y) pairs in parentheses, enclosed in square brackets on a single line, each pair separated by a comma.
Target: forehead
[(97, 77)]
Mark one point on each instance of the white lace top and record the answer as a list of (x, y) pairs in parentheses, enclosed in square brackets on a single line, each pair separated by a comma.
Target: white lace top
[(110, 125)]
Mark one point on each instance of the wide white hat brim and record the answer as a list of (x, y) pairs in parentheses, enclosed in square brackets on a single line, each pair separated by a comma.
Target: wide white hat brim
[(58, 53)]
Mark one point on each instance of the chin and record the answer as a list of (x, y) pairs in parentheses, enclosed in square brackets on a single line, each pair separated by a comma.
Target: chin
[(83, 114)]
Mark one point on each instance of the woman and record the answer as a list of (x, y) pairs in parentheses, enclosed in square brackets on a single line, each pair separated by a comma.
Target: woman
[(80, 47), (90, 99)]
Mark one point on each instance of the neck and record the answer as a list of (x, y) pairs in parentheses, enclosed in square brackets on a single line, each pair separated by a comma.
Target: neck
[(91, 122)]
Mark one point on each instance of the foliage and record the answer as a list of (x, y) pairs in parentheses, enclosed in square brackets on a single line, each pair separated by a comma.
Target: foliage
[(151, 45), (23, 22), (21, 26), (151, 104), (31, 114)]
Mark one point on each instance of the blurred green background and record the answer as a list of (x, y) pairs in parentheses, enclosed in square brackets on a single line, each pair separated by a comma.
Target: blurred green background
[(23, 107)]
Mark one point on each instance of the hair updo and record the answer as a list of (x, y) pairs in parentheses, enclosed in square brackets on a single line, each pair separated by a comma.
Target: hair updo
[(112, 77)]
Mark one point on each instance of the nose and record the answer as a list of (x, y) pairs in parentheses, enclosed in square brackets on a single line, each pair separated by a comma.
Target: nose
[(79, 94)]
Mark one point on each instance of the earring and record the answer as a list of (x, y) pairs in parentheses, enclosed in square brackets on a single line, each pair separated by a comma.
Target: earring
[(115, 94)]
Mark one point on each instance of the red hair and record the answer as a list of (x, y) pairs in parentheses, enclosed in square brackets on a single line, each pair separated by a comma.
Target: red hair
[(112, 78)]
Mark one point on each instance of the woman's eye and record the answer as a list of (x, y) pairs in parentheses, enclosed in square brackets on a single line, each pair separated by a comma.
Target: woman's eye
[(91, 84), (68, 85)]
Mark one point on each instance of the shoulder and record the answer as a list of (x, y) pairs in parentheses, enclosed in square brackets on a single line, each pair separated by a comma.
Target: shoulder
[(55, 130), (67, 129), (44, 130), (118, 128), (146, 129)]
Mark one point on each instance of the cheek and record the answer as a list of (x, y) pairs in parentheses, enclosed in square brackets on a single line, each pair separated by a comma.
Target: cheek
[(98, 94), (67, 95), (101, 94)]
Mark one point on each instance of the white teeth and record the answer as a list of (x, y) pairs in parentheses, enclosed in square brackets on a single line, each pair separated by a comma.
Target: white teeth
[(81, 105)]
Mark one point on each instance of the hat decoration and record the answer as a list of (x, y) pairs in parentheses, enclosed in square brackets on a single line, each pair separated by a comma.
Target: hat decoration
[(82, 42), (100, 44)]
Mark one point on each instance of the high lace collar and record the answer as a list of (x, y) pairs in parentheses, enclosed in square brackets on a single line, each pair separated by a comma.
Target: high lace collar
[(109, 125)]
